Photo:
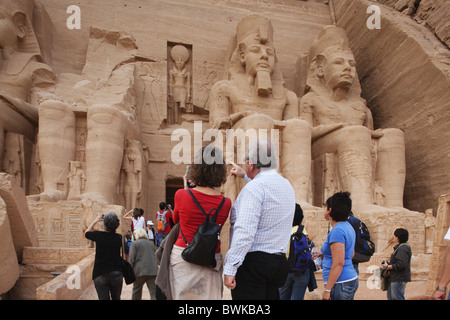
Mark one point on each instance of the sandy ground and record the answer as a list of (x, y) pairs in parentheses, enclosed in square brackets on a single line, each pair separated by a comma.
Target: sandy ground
[(91, 294)]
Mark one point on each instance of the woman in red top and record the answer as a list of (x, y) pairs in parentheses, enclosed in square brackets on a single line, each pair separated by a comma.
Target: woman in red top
[(190, 281)]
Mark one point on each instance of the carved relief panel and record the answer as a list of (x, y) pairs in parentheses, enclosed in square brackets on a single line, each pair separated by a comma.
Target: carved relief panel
[(179, 90)]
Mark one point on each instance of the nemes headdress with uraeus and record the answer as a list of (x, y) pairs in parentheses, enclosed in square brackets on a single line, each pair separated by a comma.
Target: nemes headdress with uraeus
[(27, 41), (330, 39), (253, 29)]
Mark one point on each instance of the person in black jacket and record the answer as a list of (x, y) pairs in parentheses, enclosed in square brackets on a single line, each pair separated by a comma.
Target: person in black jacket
[(107, 273), (400, 266)]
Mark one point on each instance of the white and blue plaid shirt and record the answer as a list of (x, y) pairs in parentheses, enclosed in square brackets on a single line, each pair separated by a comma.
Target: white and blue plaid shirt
[(261, 218)]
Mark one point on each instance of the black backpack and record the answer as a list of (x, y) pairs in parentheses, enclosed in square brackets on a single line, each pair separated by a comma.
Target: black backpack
[(364, 247), (203, 246)]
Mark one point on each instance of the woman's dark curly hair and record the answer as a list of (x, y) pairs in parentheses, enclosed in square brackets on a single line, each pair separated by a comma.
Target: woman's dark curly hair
[(212, 172)]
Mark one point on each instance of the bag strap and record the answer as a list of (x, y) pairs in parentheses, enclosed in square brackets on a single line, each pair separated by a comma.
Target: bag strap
[(203, 211), (214, 218)]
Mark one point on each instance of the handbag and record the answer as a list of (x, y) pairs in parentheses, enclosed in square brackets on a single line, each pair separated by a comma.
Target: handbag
[(127, 271), (384, 277), (202, 249), (385, 274)]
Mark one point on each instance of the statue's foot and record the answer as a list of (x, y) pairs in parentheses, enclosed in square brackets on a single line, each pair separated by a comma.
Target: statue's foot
[(52, 195), (94, 197), (375, 209)]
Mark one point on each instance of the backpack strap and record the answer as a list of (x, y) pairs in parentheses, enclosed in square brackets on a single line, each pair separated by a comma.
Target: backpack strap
[(203, 211)]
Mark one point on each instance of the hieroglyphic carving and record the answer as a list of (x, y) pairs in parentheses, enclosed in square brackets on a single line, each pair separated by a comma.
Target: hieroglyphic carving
[(74, 229), (149, 95), (59, 224), (81, 136), (207, 77)]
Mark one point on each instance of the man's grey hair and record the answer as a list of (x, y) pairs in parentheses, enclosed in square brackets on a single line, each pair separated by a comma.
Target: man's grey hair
[(261, 154)]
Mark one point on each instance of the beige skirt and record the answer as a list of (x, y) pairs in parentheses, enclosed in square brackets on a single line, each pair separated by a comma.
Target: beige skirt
[(193, 282)]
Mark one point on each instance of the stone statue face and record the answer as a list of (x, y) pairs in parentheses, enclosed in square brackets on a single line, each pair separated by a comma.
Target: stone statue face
[(179, 64), (338, 69), (258, 57), (8, 37)]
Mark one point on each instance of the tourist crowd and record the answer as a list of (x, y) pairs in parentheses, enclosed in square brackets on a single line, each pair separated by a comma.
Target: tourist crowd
[(270, 255)]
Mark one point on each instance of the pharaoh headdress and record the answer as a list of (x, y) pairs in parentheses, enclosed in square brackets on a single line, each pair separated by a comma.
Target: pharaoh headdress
[(330, 39), (28, 47), (258, 29)]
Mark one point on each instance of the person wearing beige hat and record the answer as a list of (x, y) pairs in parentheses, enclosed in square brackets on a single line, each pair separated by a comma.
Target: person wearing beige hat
[(151, 232)]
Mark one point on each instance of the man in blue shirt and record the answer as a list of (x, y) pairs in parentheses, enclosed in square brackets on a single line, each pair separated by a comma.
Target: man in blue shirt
[(261, 222)]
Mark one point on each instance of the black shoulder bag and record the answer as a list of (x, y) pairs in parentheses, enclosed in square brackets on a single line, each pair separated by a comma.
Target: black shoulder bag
[(203, 246)]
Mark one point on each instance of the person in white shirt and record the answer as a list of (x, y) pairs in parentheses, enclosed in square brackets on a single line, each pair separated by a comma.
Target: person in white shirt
[(261, 222), (137, 220)]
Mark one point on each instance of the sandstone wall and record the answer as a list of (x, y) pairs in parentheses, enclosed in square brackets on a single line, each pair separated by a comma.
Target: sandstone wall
[(206, 27), (405, 78), (435, 14)]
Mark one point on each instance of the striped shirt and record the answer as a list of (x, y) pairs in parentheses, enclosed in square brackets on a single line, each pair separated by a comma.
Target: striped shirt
[(261, 218)]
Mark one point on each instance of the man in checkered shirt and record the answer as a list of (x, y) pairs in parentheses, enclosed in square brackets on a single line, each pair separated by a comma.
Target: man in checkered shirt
[(261, 222)]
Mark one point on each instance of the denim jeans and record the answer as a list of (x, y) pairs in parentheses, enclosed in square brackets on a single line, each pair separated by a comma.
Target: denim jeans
[(295, 286), (344, 290), (396, 290), (160, 237), (109, 285)]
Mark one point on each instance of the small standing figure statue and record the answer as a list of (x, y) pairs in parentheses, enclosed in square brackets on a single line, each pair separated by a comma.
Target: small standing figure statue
[(179, 83), (77, 179), (131, 183)]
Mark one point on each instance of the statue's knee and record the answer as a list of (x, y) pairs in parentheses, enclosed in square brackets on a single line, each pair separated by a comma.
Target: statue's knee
[(53, 110), (298, 124), (256, 121)]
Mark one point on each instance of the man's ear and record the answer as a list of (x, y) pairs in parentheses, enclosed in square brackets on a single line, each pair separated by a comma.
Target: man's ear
[(20, 21), (242, 48), (320, 60)]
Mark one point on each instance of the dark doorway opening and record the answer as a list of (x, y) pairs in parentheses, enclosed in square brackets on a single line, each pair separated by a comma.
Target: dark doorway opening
[(172, 185)]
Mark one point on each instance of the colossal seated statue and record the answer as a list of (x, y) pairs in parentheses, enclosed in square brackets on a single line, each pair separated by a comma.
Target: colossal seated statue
[(348, 153), (90, 127), (253, 97), (21, 70)]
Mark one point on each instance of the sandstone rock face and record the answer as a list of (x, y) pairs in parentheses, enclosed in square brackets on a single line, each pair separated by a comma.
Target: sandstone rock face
[(434, 14)]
